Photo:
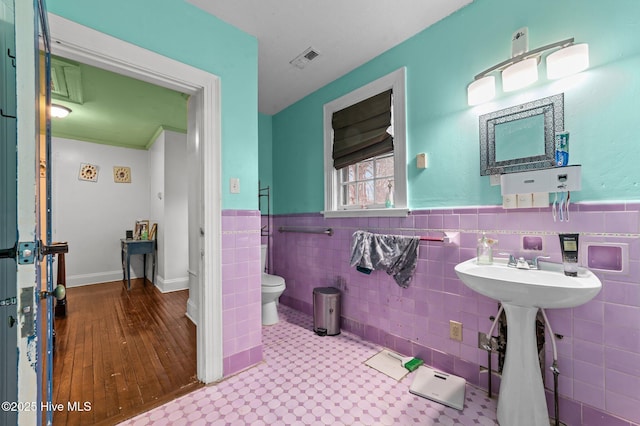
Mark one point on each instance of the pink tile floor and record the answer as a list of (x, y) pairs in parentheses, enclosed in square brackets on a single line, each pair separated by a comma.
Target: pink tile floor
[(310, 380)]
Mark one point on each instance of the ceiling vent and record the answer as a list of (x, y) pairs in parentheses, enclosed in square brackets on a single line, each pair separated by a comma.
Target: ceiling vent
[(304, 58), (66, 81)]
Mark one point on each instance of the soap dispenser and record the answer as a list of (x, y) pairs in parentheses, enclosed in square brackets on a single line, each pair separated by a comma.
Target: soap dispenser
[(484, 250)]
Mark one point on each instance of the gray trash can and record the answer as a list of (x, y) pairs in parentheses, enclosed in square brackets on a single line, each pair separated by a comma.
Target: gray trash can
[(326, 311)]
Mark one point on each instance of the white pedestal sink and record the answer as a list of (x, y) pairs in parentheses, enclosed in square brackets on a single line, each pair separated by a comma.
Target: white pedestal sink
[(521, 292)]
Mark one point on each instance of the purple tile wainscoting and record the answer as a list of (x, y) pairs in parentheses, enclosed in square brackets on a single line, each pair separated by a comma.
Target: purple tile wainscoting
[(241, 297), (598, 355)]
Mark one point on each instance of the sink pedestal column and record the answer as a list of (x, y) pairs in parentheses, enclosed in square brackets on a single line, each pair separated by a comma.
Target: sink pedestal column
[(522, 399)]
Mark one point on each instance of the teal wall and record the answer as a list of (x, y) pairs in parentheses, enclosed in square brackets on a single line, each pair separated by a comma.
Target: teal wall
[(601, 104), (265, 157), (183, 32)]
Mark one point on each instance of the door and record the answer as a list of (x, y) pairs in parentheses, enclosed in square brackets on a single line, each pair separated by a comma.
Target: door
[(44, 325), (32, 140), (8, 218), (195, 207)]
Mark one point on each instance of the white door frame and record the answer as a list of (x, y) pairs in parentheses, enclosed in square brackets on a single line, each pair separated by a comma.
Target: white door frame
[(27, 275), (77, 42)]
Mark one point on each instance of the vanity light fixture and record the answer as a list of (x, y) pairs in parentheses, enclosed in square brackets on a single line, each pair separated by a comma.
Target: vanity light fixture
[(59, 111), (521, 70), (481, 90), (570, 60), (519, 75)]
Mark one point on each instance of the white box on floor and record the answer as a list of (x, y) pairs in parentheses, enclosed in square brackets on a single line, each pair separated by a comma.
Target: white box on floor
[(440, 387)]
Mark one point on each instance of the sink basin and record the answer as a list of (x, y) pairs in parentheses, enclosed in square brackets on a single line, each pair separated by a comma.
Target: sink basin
[(548, 287), (522, 292)]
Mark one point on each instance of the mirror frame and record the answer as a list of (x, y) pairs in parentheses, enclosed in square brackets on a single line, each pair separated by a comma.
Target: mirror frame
[(551, 107)]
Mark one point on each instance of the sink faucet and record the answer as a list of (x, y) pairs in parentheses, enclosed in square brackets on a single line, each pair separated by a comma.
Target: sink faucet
[(535, 262), (522, 263)]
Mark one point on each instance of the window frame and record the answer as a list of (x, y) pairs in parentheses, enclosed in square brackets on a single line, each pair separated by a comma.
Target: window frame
[(342, 184), (395, 81)]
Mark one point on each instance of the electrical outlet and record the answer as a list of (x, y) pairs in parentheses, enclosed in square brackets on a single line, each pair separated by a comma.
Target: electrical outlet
[(455, 330)]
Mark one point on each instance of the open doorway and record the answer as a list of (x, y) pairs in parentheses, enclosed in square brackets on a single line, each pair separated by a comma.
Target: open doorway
[(84, 45), (118, 159), (122, 350)]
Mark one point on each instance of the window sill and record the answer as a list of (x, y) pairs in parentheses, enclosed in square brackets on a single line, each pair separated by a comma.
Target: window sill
[(398, 212)]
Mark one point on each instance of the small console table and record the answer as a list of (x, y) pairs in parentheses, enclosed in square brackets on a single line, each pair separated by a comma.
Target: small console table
[(143, 247)]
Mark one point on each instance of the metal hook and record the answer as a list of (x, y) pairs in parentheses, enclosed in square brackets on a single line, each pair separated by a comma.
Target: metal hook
[(6, 115), (13, 57)]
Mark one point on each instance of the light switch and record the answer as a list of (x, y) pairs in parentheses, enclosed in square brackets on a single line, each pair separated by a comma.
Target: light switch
[(234, 185), (421, 160)]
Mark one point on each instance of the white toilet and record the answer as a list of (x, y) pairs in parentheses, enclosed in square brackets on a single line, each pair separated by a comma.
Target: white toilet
[(272, 288)]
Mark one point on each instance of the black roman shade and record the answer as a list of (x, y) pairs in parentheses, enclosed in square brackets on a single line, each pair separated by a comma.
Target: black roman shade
[(360, 130)]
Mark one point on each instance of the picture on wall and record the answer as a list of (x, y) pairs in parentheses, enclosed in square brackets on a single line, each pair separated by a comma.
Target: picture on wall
[(88, 172)]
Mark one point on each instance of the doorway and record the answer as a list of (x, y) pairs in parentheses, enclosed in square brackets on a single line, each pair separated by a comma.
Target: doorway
[(120, 351), (79, 43)]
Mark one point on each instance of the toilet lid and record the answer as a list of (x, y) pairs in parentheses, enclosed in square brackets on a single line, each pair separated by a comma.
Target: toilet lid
[(271, 280)]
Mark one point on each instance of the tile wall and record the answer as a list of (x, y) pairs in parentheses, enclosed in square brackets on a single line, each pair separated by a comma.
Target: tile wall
[(241, 298), (599, 353)]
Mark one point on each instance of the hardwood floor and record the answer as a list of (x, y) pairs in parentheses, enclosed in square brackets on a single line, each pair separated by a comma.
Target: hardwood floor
[(123, 352)]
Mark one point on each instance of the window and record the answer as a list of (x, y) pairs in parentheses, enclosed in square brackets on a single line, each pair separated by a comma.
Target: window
[(367, 184), (361, 184)]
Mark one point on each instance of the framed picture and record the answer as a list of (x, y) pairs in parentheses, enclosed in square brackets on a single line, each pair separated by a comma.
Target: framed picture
[(152, 233), (141, 231)]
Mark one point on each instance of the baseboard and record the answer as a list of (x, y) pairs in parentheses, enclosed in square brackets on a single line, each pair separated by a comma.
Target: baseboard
[(192, 311), (97, 278), (165, 286), (174, 284)]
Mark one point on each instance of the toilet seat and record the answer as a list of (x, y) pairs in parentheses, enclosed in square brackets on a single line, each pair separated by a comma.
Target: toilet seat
[(271, 280)]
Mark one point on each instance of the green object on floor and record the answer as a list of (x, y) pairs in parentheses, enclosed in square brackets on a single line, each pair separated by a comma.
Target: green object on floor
[(408, 362), (413, 364)]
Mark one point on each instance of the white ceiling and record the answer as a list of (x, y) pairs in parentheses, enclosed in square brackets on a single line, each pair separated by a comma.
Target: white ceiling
[(346, 33)]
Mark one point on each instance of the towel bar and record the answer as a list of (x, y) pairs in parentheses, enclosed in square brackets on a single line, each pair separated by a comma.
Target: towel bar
[(327, 231), (448, 238)]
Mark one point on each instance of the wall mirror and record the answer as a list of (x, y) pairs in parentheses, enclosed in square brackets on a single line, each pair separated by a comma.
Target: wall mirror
[(521, 137)]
